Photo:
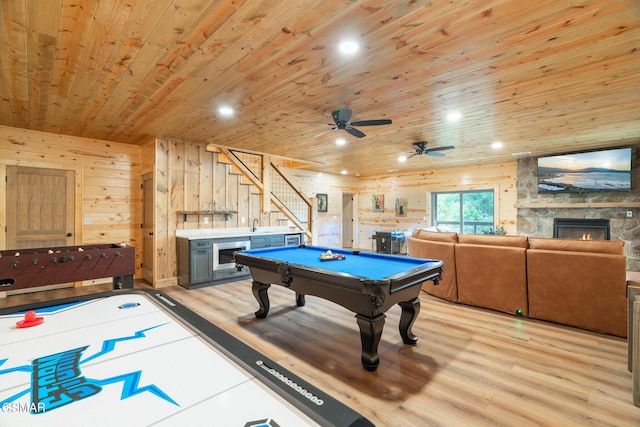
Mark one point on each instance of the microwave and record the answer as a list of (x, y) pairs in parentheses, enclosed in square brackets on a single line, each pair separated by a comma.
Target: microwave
[(223, 253)]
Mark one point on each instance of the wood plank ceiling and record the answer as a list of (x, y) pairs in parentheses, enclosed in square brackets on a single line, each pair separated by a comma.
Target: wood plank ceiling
[(541, 76)]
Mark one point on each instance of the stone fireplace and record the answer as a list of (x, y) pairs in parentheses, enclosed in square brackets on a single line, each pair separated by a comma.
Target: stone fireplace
[(537, 212), (579, 228)]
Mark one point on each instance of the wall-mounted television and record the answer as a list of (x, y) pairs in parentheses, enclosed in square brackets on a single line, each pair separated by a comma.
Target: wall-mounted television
[(605, 170)]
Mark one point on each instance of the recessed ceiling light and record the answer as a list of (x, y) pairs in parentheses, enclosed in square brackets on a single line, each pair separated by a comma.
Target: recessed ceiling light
[(225, 111), (454, 116), (348, 47), (344, 172), (402, 158), (496, 145), (340, 142)]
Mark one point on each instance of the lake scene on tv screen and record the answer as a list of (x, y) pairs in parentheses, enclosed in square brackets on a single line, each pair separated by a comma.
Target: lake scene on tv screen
[(608, 170)]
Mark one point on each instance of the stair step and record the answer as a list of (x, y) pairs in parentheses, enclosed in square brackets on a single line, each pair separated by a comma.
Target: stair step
[(276, 216), (235, 171), (245, 181), (223, 158)]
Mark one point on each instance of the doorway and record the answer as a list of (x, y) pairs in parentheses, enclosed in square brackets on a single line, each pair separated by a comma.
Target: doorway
[(147, 227), (347, 220), (40, 207)]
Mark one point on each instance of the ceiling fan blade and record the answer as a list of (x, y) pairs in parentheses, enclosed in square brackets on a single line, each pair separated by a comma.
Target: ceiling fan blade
[(354, 132), (343, 115), (448, 147), (434, 153), (372, 122), (324, 132), (317, 123)]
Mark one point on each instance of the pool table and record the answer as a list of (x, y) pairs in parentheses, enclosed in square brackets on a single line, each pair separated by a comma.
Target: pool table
[(365, 283)]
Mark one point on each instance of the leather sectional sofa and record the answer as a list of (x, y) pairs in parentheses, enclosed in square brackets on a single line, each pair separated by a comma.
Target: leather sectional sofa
[(579, 283)]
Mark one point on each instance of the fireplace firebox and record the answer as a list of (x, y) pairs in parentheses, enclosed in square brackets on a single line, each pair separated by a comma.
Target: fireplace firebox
[(581, 228)]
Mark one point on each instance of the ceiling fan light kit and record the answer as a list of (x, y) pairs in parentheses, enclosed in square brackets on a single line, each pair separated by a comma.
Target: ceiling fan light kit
[(341, 119)]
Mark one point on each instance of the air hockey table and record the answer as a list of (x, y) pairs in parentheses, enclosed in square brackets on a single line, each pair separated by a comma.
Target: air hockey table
[(137, 358)]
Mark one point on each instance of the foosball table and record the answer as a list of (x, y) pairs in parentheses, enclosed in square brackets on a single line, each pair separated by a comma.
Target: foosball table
[(27, 268)]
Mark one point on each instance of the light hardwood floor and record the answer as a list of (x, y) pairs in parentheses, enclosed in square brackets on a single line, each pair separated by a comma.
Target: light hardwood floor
[(470, 367)]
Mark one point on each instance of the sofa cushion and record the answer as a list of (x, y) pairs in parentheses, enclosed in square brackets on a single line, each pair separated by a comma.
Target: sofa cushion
[(613, 247), (493, 240), (492, 276), (420, 233)]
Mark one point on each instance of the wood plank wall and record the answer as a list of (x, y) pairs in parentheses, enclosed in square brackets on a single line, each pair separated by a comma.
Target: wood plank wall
[(108, 178), (416, 188), (327, 227), (190, 178)]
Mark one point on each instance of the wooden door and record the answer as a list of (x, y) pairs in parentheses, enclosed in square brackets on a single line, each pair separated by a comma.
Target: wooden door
[(40, 207), (347, 220), (147, 227)]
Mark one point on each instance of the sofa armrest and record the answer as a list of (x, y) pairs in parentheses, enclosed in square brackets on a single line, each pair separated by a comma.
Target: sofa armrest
[(443, 251)]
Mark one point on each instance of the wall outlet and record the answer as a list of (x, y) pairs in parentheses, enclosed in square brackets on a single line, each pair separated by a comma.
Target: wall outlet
[(629, 214), (206, 220)]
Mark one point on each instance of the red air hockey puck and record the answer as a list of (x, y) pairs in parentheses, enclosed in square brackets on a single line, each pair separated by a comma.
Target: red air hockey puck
[(29, 320)]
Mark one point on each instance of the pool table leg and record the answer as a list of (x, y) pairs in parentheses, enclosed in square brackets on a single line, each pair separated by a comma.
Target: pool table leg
[(300, 300), (410, 310), (260, 292), (370, 333)]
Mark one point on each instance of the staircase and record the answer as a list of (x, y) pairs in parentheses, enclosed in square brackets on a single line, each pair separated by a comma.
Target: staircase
[(285, 204)]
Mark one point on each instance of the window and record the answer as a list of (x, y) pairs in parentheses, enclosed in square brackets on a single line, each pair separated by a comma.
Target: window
[(469, 212)]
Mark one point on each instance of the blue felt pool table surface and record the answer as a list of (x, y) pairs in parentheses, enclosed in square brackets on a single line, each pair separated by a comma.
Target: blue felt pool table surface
[(364, 264)]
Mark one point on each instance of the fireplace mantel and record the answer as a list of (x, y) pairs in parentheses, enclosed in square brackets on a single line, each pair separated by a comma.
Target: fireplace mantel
[(567, 205)]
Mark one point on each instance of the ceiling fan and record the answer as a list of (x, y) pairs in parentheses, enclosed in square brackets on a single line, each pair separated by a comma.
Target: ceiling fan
[(341, 120), (421, 148)]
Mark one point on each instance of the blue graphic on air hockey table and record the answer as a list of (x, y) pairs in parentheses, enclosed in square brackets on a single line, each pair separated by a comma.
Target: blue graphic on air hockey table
[(57, 380)]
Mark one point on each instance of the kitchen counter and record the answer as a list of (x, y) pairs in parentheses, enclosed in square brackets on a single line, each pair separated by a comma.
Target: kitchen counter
[(212, 233), (205, 256)]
